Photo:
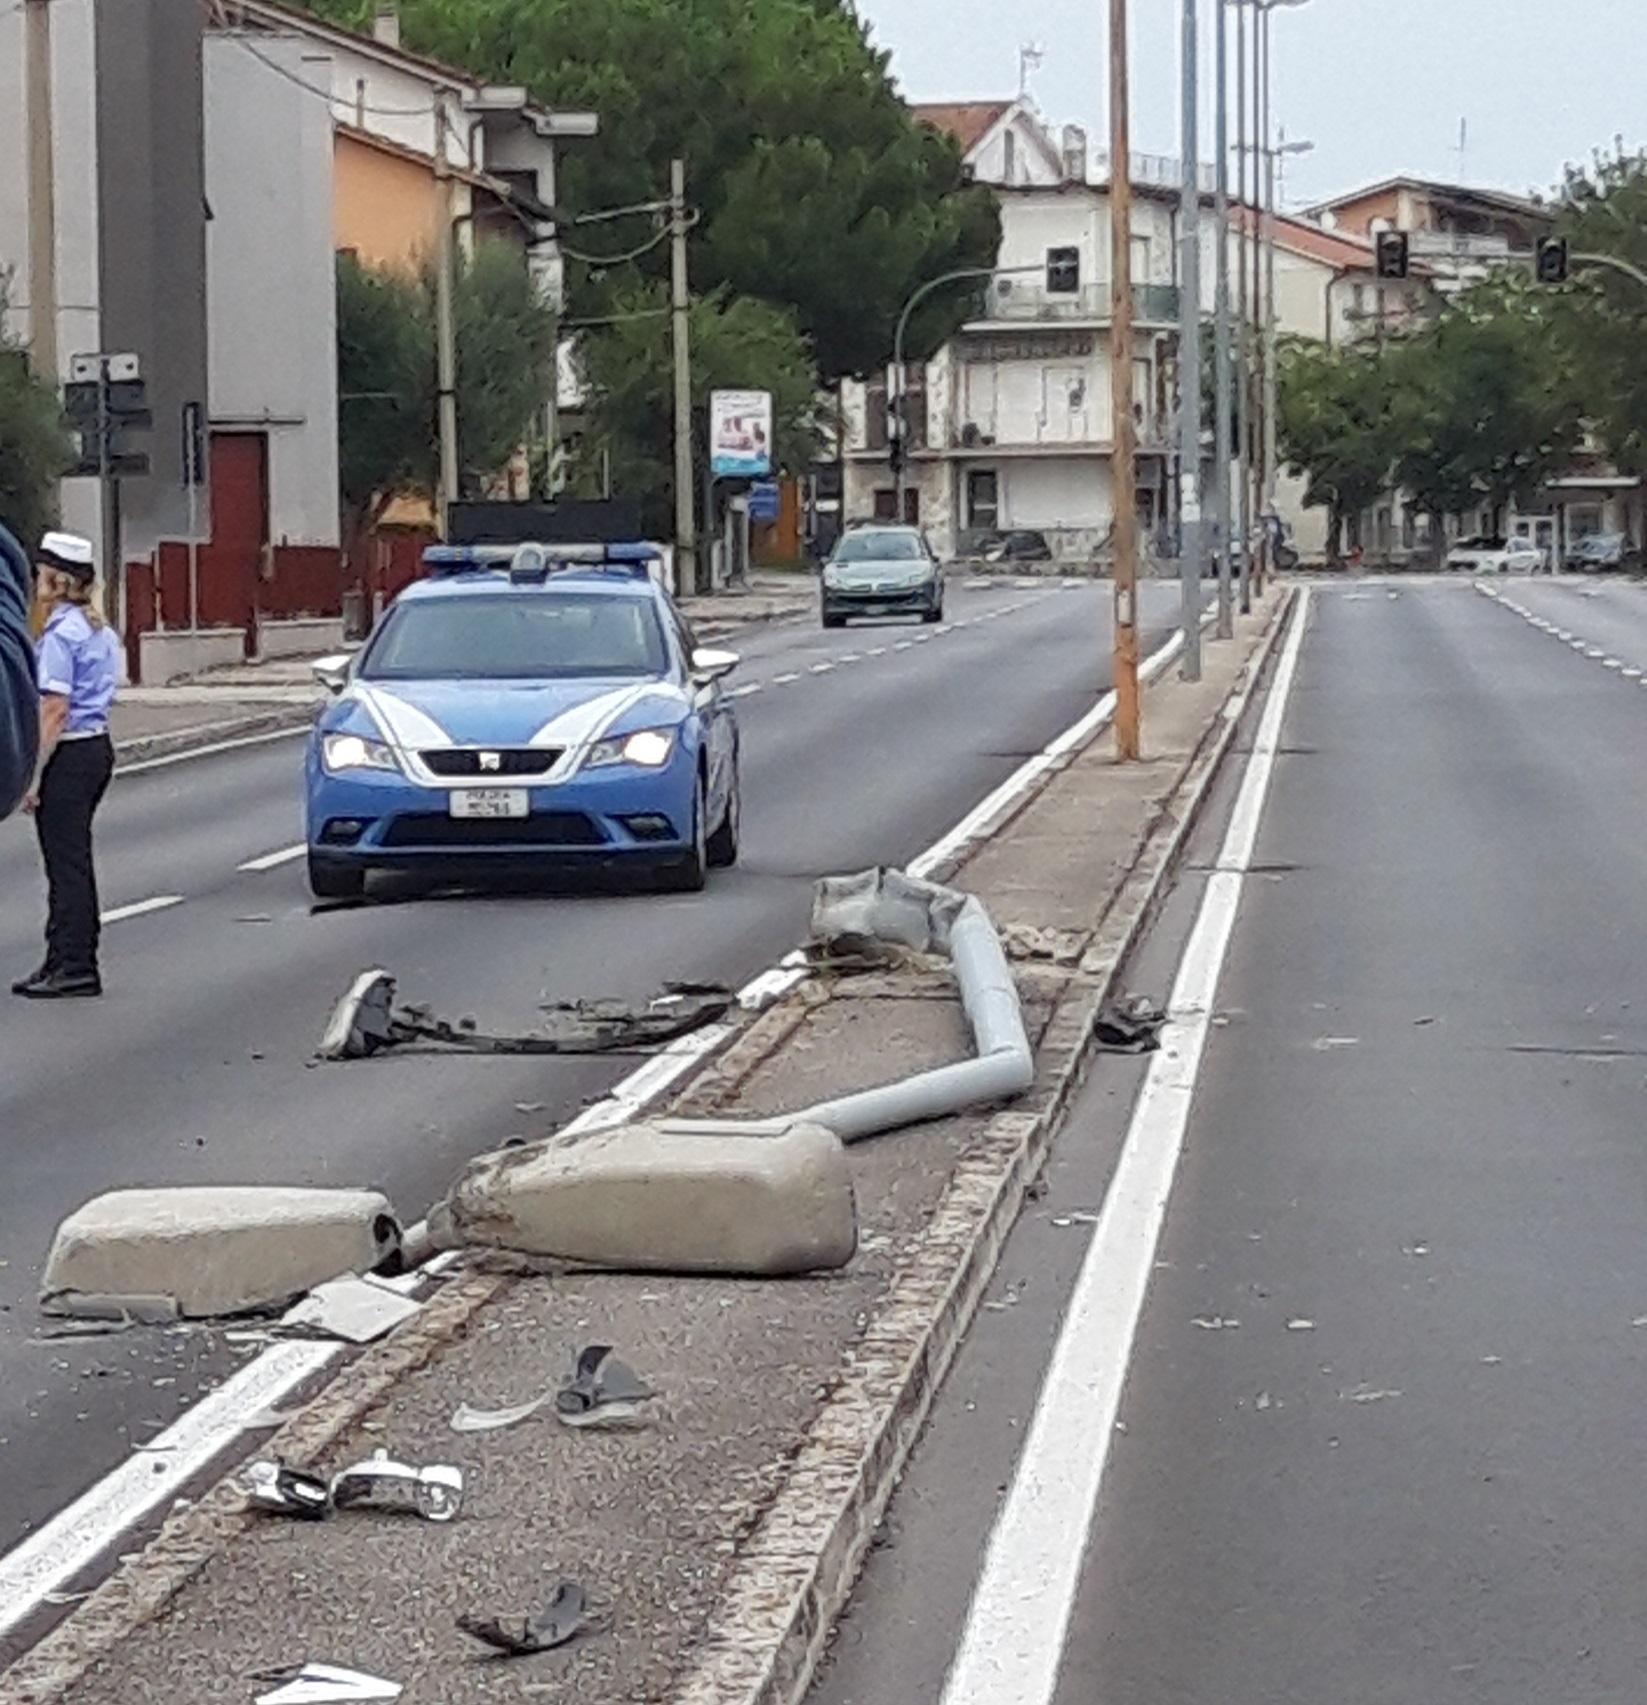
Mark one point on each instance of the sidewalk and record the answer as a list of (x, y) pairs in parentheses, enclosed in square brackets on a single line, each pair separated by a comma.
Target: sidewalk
[(249, 699), (717, 1543)]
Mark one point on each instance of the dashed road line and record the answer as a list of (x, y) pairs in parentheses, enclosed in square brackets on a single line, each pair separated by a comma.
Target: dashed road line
[(749, 687), (822, 668), (876, 651), (272, 860), (784, 680), (138, 908), (903, 645)]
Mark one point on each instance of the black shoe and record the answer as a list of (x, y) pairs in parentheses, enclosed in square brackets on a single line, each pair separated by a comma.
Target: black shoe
[(37, 975), (60, 985)]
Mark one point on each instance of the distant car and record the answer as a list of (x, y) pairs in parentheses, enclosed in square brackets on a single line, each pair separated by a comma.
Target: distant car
[(1016, 547), (533, 707), (882, 571), (1496, 556), (1604, 552)]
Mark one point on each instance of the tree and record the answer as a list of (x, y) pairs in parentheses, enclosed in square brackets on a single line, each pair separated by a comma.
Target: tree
[(387, 429), (1601, 320), (814, 186), (35, 449), (736, 343), (1491, 410), (1338, 424)]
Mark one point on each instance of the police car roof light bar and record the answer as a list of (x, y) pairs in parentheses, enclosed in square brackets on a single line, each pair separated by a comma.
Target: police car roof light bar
[(535, 562)]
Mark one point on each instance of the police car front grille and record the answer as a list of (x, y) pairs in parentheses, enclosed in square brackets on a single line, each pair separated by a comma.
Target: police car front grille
[(509, 761), (541, 829)]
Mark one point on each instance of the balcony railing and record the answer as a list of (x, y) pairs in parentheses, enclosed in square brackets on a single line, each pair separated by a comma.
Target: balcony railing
[(1154, 434), (1029, 302)]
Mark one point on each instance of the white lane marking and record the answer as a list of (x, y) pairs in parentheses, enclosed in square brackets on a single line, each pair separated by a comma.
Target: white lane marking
[(95, 1523), (1632, 674), (943, 628), (234, 745), (876, 651), (1012, 1646), (784, 680), (1564, 633), (77, 1536), (923, 639), (139, 907), (272, 861), (822, 668), (743, 692), (850, 657), (1611, 663), (1594, 651), (903, 645)]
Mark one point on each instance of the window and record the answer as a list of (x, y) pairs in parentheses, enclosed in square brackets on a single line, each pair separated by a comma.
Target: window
[(912, 507), (983, 499), (1063, 272), (1010, 154), (886, 503)]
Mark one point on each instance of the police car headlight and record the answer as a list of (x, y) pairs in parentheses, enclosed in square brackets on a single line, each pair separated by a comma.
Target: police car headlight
[(352, 752), (649, 748)]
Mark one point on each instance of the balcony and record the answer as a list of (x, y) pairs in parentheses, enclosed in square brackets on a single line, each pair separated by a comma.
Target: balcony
[(1455, 245), (1028, 301)]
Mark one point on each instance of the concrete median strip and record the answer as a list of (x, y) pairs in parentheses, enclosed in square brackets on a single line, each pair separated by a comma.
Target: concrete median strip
[(201, 1252)]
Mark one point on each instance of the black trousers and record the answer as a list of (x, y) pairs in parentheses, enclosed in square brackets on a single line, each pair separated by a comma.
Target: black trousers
[(70, 792)]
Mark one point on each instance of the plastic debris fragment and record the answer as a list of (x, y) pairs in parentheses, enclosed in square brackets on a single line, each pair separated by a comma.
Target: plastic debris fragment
[(602, 1391), (521, 1636), (324, 1684), (435, 1493), (1133, 1027), (287, 1491)]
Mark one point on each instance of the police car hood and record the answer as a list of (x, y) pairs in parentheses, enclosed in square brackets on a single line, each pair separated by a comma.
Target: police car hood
[(429, 715)]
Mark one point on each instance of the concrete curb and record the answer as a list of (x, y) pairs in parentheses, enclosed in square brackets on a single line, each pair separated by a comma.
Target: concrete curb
[(796, 1572), (176, 742)]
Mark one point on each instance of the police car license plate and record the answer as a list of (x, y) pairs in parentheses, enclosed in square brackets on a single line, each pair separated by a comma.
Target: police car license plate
[(489, 802)]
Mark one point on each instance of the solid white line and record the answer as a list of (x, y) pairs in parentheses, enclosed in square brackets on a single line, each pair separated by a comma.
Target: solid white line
[(207, 751), (1012, 1646), (77, 1536), (271, 861), (138, 907)]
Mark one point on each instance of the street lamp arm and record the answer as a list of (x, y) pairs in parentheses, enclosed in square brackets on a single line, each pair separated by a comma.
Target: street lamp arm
[(922, 291), (1612, 263)]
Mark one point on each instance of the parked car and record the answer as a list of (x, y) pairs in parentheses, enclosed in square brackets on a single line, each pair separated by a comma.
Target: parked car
[(1604, 553), (1496, 556), (1016, 547), (534, 707), (882, 571)]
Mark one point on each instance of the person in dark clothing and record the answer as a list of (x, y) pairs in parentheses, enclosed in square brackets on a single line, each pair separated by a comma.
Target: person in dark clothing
[(19, 696), (78, 665)]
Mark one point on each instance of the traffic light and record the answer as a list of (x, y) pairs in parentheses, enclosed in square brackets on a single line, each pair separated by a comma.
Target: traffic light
[(1554, 261), (1393, 254)]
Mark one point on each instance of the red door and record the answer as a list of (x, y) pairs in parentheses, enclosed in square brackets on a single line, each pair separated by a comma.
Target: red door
[(240, 530)]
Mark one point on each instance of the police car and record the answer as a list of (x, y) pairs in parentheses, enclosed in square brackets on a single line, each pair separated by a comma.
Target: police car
[(530, 707)]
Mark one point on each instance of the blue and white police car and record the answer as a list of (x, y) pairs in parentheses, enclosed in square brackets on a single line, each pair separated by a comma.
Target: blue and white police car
[(527, 707)]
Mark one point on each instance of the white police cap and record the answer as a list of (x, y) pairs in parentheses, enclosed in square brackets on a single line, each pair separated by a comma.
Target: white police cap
[(70, 553)]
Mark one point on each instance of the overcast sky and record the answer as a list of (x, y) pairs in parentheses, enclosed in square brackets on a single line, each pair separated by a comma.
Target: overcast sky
[(1378, 85)]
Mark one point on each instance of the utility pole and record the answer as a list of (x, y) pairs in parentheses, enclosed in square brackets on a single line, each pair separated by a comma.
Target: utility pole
[(1123, 465), (445, 336), (42, 192), (1270, 320), (1261, 278), (686, 556), (1243, 387), (1189, 353), (1221, 425)]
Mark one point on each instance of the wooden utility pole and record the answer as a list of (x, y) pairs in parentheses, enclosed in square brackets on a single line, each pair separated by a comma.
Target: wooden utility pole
[(1123, 464), (42, 192), (686, 573)]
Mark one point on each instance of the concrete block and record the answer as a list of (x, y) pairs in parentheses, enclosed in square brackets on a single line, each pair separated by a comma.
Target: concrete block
[(755, 1198), (163, 657), (211, 1251), (299, 636)]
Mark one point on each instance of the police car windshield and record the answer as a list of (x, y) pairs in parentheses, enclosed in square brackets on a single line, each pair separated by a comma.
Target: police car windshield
[(528, 636)]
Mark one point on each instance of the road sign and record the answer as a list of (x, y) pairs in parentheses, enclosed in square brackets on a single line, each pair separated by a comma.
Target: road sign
[(740, 434), (765, 501)]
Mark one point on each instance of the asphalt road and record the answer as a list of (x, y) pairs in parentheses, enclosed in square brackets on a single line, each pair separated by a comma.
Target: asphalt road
[(1376, 1441), (861, 746)]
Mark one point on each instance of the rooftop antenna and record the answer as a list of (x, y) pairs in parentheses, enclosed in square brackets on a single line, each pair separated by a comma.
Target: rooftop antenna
[(1030, 55), (1463, 150)]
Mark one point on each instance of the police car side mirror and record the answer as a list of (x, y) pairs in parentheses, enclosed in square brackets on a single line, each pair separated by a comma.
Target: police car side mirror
[(332, 672), (710, 665)]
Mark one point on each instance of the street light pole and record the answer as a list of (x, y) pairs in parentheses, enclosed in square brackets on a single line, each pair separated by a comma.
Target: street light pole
[(1123, 464), (1221, 422), (1264, 281), (42, 178), (1189, 351), (1243, 388)]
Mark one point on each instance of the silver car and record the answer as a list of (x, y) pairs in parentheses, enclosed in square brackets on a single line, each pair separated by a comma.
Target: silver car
[(882, 571)]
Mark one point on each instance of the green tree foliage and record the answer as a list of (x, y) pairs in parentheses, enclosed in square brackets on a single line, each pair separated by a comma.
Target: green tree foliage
[(1338, 425), (815, 189), (736, 343), (387, 437), (35, 448), (1602, 326)]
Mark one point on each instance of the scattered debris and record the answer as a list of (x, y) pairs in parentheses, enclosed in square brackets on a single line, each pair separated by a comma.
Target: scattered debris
[(521, 1636), (1491, 1361), (1132, 1027), (366, 1021), (1215, 1323), (324, 1684), (1367, 1394), (357, 1310), (1426, 1019), (1263, 1400), (284, 1491), (1046, 946), (601, 1391), (435, 1493), (1300, 1325), (466, 1418), (1416, 1249), (1077, 1218), (1323, 1044)]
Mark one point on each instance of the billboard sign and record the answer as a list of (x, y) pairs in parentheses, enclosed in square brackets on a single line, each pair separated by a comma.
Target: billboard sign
[(740, 434)]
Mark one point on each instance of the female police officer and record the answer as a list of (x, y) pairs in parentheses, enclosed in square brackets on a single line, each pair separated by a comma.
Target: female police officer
[(78, 665)]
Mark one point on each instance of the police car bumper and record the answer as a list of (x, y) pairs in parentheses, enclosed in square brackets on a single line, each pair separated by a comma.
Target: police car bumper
[(615, 816)]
